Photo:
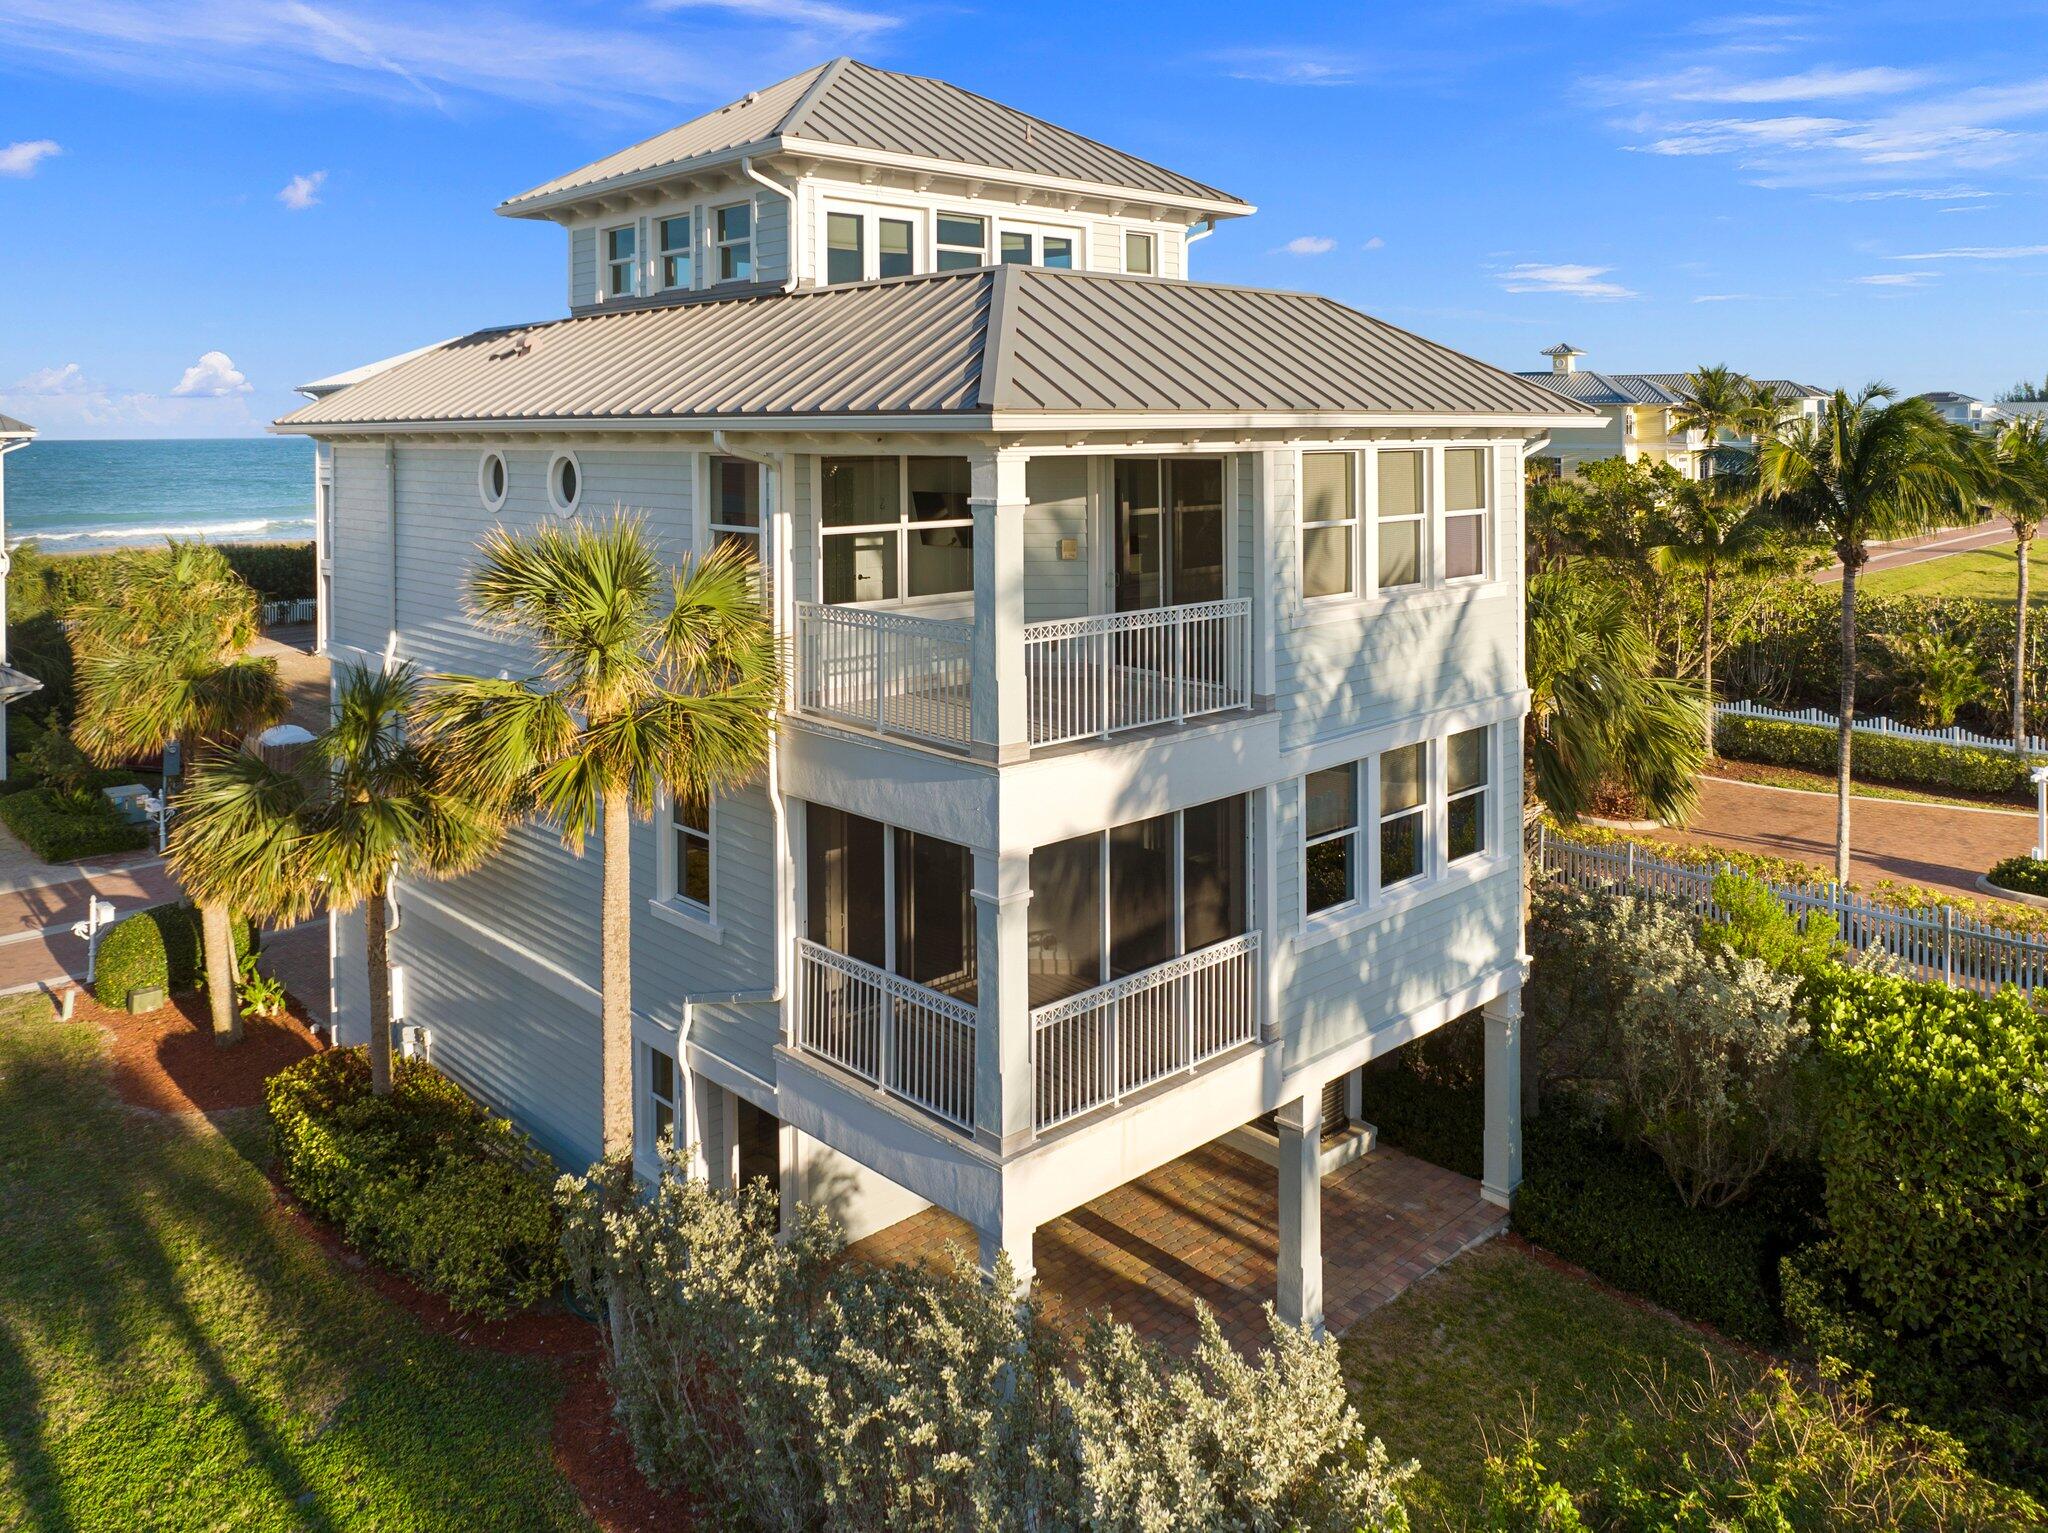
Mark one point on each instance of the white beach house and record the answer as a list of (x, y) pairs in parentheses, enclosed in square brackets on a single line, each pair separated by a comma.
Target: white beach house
[(1152, 753), (14, 435)]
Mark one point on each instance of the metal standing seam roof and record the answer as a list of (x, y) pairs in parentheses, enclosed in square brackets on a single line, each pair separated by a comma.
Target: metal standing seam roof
[(1598, 388), (995, 339), (9, 426), (856, 105)]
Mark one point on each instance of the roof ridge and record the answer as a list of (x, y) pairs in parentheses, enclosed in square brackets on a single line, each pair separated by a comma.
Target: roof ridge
[(829, 71)]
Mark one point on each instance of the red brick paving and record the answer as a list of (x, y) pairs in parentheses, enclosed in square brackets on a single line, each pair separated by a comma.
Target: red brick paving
[(1206, 1227)]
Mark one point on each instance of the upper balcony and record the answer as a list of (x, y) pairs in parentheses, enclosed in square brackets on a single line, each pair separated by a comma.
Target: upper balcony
[(999, 604)]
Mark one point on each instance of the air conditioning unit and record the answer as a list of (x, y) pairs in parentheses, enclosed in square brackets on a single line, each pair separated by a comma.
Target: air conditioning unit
[(414, 1040)]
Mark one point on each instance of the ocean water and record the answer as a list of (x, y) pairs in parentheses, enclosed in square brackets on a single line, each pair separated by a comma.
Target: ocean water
[(71, 496)]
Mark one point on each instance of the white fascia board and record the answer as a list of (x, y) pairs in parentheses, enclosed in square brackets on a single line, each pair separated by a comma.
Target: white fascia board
[(548, 204)]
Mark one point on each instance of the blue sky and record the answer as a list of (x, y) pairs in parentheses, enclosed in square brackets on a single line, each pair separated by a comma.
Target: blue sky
[(205, 203)]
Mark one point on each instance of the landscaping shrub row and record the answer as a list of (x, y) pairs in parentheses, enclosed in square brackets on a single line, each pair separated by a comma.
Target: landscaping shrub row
[(158, 946), (423, 1180), (2026, 875), (1879, 758), (40, 583), (61, 829)]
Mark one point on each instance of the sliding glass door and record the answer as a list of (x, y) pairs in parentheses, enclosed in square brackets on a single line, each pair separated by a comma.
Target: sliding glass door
[(1169, 532), (891, 899)]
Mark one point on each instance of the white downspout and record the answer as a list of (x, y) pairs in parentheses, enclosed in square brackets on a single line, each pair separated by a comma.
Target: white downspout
[(790, 238), (1208, 228)]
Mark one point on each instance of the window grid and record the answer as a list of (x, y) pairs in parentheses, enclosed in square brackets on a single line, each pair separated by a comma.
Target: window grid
[(678, 263), (734, 514), (1467, 511), (622, 268), (1467, 780), (1329, 524), (962, 241), (1334, 869), (1404, 814), (899, 578), (1400, 518), (732, 230)]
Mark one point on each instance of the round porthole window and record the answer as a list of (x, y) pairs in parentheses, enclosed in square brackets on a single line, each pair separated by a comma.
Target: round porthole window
[(565, 482), (492, 480)]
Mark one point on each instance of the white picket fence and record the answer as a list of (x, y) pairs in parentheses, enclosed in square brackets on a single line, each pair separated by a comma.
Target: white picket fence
[(1939, 944), (1878, 724)]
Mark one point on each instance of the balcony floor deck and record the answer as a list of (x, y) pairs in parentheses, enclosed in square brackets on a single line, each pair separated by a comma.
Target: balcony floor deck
[(1207, 1227)]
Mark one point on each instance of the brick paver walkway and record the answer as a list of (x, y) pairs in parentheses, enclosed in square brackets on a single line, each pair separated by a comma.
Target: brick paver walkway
[(1206, 1227), (1929, 844)]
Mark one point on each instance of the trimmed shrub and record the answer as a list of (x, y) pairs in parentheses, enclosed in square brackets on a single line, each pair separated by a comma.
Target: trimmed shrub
[(158, 946), (2028, 875), (1743, 1451), (1880, 758), (1427, 1097), (61, 830), (423, 1180), (275, 571)]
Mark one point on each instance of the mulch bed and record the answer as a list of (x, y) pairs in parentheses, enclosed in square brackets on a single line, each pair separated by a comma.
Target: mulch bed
[(166, 1060)]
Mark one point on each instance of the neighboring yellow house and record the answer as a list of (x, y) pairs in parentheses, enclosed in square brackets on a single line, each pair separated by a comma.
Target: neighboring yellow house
[(1640, 410)]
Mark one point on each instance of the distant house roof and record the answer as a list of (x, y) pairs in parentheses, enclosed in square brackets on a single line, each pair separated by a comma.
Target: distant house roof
[(1002, 340), (320, 388), (1595, 388), (851, 105), (1949, 397), (9, 426)]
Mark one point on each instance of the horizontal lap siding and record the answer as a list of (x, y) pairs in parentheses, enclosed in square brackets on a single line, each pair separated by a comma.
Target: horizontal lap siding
[(1055, 587), (771, 239), (359, 613), (582, 267)]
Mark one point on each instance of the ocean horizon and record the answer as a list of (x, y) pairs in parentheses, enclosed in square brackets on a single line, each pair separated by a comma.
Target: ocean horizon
[(72, 496)]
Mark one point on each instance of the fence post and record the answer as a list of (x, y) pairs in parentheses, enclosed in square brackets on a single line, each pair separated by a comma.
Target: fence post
[(1948, 944), (1542, 848), (1629, 864)]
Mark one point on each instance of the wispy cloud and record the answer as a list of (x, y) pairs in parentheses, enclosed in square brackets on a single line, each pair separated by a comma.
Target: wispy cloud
[(1976, 253), (50, 382), (1310, 245), (302, 192), (213, 376), (1571, 280), (1914, 194), (22, 158), (1375, 243), (845, 19), (1822, 83), (1306, 65), (1726, 297), (1895, 279)]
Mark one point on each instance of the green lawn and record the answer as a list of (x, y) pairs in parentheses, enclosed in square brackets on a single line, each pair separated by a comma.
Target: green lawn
[(175, 1355), (1991, 574), (1456, 1358)]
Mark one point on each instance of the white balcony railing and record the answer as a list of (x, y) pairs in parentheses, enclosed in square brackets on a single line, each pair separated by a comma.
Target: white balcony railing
[(1090, 1049), (912, 1042), (890, 671), (1100, 675)]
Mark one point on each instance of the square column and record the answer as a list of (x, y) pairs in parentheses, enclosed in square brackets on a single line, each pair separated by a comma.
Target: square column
[(1001, 703), (1010, 1235), (1503, 1158), (1003, 1079), (1301, 1210)]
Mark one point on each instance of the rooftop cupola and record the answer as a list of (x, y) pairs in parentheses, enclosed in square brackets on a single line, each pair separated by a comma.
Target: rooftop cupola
[(1564, 357)]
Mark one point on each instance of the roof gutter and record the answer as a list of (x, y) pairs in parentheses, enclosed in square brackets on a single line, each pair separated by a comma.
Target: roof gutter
[(747, 170)]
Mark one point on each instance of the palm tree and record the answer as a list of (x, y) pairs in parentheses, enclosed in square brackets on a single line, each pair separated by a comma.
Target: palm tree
[(628, 701), (2012, 474), (365, 804), (1714, 529), (1870, 468), (162, 655), (1717, 400), (1598, 711)]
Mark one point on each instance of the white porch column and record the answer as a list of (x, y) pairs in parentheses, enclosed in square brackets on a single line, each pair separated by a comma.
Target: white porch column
[(1011, 1235), (1503, 1159), (1002, 1027), (1301, 1210), (1001, 707)]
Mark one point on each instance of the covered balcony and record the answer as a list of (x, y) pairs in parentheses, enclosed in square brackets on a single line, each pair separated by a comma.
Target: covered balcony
[(995, 605), (1133, 964)]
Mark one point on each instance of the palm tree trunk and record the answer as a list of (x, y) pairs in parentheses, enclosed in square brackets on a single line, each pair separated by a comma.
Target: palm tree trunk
[(377, 923), (1707, 652), (216, 930), (616, 941), (2019, 652), (1852, 558)]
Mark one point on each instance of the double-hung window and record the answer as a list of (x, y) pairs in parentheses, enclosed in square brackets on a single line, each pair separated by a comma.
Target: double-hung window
[(1400, 516), (1465, 512), (658, 1124), (732, 239), (621, 266), (678, 263), (1141, 254), (1465, 769), (863, 246), (896, 527), (962, 241), (846, 258), (1329, 523), (1334, 867), (690, 825), (735, 504), (1404, 790)]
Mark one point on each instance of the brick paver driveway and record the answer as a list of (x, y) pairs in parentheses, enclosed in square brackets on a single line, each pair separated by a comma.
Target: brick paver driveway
[(1931, 844), (1206, 1227)]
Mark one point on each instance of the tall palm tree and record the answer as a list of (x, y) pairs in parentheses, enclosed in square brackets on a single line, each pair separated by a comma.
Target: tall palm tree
[(1872, 467), (1714, 530), (364, 805), (162, 655), (1717, 400), (1599, 713), (2012, 475), (628, 700)]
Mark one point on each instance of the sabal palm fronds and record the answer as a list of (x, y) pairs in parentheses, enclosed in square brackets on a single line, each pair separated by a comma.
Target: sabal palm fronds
[(647, 682), (1717, 400), (2011, 476), (1870, 468)]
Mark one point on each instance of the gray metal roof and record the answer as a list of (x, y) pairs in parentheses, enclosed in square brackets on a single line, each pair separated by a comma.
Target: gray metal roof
[(858, 106), (1781, 388), (335, 382), (1005, 339), (9, 426), (1597, 388)]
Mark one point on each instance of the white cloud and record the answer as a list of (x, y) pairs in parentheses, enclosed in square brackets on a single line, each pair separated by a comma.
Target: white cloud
[(63, 401), (1977, 253), (1895, 279), (1725, 298), (1310, 245), (1915, 194), (1572, 280), (22, 158), (1819, 84), (213, 376), (302, 192), (49, 382), (844, 19), (1375, 243), (1289, 65)]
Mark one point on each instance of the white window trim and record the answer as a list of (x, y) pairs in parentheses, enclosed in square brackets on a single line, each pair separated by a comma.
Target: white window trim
[(1485, 513), (483, 480), (988, 225), (607, 264), (669, 903), (901, 527), (707, 527), (1426, 565), (565, 455), (1037, 234), (872, 216), (1356, 522), (661, 252), (1360, 891), (1486, 815), (715, 275), (1425, 811), (1123, 250), (645, 1138)]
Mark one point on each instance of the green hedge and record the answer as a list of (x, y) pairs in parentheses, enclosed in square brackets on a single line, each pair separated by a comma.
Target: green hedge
[(1427, 1097), (40, 583), (1879, 758), (424, 1180), (157, 946), (2028, 875), (60, 831)]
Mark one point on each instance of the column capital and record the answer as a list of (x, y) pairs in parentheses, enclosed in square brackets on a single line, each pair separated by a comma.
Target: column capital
[(997, 476)]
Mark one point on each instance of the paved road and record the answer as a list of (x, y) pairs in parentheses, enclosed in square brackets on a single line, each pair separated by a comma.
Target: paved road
[(36, 945), (1931, 844), (1937, 545)]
